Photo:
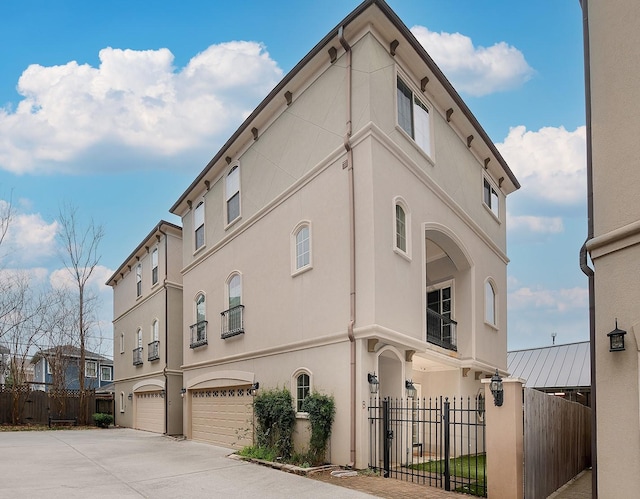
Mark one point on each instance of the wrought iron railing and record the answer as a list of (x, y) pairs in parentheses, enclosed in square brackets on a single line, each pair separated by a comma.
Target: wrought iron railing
[(137, 356), (154, 350), (232, 322), (198, 334), (441, 330)]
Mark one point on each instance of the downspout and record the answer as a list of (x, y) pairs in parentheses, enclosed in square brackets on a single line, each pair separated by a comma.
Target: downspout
[(166, 334), (352, 251), (584, 265)]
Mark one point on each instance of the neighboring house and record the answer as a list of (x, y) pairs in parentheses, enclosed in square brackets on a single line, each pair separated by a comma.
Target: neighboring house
[(58, 368), (147, 331), (4, 364), (560, 370), (354, 224), (612, 64)]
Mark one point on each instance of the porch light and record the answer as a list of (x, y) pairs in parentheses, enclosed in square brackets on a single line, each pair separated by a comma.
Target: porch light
[(254, 388), (182, 392), (130, 396), (411, 390), (374, 384), (496, 389), (616, 339)]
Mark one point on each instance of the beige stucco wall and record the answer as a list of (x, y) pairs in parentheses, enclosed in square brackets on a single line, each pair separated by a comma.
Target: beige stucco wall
[(614, 41)]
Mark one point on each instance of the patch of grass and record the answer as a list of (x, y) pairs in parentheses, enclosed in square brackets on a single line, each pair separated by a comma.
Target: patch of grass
[(255, 452), (472, 467), (42, 427)]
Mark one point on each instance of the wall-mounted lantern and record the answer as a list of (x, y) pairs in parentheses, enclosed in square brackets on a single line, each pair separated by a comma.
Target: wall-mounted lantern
[(374, 384), (497, 389), (130, 397), (254, 388), (182, 392), (616, 339), (411, 390)]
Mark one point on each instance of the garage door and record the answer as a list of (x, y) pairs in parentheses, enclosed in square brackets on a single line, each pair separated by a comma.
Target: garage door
[(223, 416), (150, 411)]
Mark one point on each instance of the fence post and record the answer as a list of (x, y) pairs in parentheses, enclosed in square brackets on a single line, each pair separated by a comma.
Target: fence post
[(386, 435), (505, 441), (447, 445)]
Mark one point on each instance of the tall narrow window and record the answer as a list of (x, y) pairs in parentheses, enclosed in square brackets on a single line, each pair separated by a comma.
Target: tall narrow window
[(154, 331), (201, 320), (232, 188), (198, 224), (490, 198), (303, 247), (121, 342), (154, 266), (401, 229), (121, 401), (490, 303), (441, 328), (413, 117), (303, 387), (138, 280), (139, 338)]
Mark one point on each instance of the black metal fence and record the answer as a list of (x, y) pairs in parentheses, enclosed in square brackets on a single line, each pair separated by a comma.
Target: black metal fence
[(432, 441)]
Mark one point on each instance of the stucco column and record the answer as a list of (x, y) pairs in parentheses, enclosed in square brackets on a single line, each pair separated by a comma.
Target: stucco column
[(505, 441)]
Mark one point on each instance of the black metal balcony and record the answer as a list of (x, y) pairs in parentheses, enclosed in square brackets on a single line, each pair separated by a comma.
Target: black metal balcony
[(137, 356), (232, 322), (198, 334), (441, 330), (154, 350)]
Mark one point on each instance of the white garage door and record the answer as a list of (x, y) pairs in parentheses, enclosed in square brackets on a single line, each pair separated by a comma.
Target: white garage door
[(223, 416), (150, 411)]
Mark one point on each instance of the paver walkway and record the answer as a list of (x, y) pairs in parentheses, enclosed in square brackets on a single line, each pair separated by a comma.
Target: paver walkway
[(579, 488)]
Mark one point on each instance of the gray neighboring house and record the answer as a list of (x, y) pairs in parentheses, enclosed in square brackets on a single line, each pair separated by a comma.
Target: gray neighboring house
[(561, 370)]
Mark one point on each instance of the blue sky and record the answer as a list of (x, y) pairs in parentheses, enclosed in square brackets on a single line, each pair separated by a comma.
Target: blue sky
[(116, 106)]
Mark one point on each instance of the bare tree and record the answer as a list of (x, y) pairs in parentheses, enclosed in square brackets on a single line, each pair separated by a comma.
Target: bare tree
[(80, 256)]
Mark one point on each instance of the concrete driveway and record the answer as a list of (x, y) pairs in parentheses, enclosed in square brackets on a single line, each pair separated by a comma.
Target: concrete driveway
[(127, 463)]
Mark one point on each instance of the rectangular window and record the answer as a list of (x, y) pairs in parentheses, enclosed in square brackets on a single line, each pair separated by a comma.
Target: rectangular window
[(121, 342), (441, 328), (90, 369), (198, 223), (303, 249), (232, 188), (490, 198), (139, 280), (413, 117), (154, 266), (105, 373)]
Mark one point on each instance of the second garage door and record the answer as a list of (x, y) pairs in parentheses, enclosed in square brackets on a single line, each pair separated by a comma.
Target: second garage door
[(150, 411), (223, 416)]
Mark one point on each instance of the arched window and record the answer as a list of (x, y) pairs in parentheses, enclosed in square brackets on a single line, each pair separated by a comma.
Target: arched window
[(490, 303), (232, 191), (232, 318), (154, 331), (198, 224), (199, 329), (139, 338), (301, 246), (121, 342), (401, 229), (303, 388), (121, 401)]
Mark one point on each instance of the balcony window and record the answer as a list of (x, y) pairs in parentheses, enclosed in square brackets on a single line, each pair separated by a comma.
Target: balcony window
[(137, 356), (232, 322), (154, 266), (154, 350), (198, 334), (441, 329)]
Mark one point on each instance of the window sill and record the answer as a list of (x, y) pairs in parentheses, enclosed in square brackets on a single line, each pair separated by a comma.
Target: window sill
[(422, 152), (495, 217), (233, 222), (492, 326), (301, 270), (199, 250), (302, 415), (401, 253)]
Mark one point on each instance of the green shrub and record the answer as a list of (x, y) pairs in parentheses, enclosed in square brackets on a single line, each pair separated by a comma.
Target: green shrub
[(322, 412), (275, 421), (102, 420)]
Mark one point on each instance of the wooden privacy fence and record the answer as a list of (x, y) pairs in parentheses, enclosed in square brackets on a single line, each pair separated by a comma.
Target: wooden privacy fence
[(557, 442), (35, 406)]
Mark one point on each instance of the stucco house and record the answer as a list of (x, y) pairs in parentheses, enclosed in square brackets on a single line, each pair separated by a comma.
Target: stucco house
[(353, 225), (58, 368), (612, 66), (147, 325)]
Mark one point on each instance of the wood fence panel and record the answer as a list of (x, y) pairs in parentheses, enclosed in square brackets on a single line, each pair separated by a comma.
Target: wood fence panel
[(557, 442)]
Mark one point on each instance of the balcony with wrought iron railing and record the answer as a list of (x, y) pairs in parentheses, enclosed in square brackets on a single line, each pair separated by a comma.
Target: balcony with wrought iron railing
[(232, 322), (137, 356), (441, 330), (154, 350), (198, 334)]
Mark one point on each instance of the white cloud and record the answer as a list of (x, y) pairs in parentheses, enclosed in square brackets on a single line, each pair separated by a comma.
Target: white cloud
[(560, 300), (550, 163), (475, 70), (134, 99), (30, 239), (540, 225), (62, 279)]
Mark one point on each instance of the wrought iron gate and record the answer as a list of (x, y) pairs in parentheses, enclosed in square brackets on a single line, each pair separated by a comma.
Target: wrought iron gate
[(432, 441)]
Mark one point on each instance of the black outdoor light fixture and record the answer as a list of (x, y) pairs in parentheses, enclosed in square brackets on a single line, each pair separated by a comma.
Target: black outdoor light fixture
[(374, 384), (616, 339), (411, 390), (182, 392), (130, 396), (497, 389), (254, 388)]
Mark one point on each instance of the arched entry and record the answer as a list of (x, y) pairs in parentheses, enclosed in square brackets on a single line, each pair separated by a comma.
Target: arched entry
[(391, 369)]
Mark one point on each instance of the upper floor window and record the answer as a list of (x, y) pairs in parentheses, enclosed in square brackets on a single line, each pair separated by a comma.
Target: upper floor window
[(105, 373), (401, 228), (121, 342), (490, 198), (199, 329), (198, 224), (90, 369), (301, 247), (441, 328), (232, 191), (154, 266), (154, 331), (139, 343), (413, 117), (139, 280), (490, 303)]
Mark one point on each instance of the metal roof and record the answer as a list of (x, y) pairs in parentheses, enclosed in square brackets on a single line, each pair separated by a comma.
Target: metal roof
[(557, 366)]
